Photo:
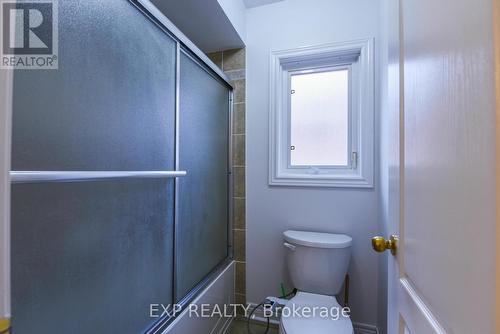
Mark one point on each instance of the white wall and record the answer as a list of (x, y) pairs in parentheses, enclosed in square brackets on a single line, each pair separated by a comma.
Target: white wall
[(235, 11), (272, 210)]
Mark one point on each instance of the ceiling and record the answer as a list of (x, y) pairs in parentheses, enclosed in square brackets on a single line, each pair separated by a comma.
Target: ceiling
[(203, 22), (255, 3)]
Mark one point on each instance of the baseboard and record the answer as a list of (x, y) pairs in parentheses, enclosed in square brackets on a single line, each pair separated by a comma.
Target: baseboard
[(360, 328)]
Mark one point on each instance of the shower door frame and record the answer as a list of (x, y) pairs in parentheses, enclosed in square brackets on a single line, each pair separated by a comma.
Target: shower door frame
[(183, 44)]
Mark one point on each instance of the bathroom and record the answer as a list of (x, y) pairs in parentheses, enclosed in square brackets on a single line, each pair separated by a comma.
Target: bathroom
[(206, 166)]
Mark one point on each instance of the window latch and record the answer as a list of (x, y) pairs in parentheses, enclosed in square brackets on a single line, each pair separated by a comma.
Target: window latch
[(354, 160)]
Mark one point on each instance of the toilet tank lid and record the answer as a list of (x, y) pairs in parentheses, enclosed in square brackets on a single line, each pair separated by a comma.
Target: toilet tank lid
[(316, 239)]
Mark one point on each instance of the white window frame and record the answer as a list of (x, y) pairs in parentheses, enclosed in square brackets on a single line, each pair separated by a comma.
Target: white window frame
[(358, 57)]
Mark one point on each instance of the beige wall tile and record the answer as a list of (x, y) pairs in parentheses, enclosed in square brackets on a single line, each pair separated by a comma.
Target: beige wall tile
[(235, 75), (233, 63), (240, 277), (234, 59), (239, 245), (239, 181), (216, 57), (239, 213), (239, 118), (240, 298), (239, 91), (239, 150)]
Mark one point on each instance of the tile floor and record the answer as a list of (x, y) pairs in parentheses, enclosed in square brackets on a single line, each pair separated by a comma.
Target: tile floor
[(239, 326)]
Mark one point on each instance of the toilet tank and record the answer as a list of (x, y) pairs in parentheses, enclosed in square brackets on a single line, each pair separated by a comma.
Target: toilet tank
[(317, 262)]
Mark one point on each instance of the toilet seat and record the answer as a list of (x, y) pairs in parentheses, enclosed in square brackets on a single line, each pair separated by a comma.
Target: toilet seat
[(317, 323)]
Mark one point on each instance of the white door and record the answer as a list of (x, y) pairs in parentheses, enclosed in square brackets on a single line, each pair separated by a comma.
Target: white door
[(442, 188)]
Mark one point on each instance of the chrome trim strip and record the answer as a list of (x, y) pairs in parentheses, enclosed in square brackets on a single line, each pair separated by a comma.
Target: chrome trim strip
[(151, 10), (63, 176), (177, 164), (230, 182)]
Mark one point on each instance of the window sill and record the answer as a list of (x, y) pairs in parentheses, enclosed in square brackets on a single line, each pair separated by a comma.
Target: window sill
[(320, 180)]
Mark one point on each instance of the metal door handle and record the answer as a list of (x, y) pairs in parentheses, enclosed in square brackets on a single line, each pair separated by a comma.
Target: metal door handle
[(380, 245)]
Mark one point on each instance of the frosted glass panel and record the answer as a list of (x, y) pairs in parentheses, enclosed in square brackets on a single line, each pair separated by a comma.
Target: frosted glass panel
[(320, 119), (90, 257), (203, 196), (110, 105)]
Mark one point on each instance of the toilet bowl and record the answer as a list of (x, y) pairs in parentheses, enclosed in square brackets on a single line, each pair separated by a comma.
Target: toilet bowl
[(314, 321), (317, 264)]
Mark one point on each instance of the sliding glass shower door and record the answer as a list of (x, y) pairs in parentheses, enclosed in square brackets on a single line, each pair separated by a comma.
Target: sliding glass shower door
[(99, 208), (202, 233)]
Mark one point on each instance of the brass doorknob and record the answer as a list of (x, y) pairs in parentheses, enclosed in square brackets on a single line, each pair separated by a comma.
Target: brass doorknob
[(380, 245)]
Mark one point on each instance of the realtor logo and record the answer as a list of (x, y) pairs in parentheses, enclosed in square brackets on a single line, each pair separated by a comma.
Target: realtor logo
[(29, 36)]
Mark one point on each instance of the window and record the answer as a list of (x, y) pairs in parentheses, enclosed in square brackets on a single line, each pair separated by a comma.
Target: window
[(319, 118), (322, 110)]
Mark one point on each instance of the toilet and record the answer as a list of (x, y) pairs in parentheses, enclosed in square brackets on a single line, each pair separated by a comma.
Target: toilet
[(317, 264)]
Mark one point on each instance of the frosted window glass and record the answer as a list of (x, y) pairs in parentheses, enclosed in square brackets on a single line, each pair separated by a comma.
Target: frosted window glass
[(201, 235), (320, 119)]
